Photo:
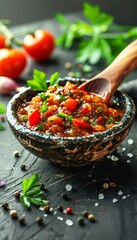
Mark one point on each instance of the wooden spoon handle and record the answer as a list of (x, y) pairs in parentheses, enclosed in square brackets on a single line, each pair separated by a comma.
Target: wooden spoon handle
[(124, 63)]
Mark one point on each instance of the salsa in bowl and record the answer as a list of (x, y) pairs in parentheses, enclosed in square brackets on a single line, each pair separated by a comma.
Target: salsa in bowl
[(69, 126)]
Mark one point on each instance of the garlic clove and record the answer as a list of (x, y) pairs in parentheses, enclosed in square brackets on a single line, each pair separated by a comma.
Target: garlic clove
[(7, 85)]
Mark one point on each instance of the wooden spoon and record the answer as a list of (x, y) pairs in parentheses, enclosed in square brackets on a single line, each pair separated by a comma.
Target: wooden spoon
[(106, 83)]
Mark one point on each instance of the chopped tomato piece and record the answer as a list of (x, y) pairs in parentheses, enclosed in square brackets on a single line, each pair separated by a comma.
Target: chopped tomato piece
[(100, 120), (86, 108), (81, 123), (34, 118), (55, 119), (71, 104)]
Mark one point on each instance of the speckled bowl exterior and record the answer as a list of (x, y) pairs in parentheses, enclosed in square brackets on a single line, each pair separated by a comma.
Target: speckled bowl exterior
[(72, 151)]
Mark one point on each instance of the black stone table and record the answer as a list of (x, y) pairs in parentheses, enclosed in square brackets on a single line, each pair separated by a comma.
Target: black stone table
[(114, 208)]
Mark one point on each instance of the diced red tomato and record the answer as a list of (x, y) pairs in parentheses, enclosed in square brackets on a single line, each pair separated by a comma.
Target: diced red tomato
[(100, 120), (86, 108), (55, 119), (81, 123), (71, 104), (34, 118)]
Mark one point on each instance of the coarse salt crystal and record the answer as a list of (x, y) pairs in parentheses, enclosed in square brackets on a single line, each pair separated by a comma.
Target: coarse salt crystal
[(123, 149), (96, 204), (41, 208), (60, 218), (45, 215), (69, 222), (114, 158), (120, 192), (130, 141), (68, 187), (124, 197), (130, 155), (100, 196), (115, 200), (128, 161), (108, 156)]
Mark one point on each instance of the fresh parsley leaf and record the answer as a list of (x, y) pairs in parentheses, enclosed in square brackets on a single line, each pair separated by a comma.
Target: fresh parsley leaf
[(62, 19), (44, 107), (98, 36), (2, 108), (31, 192), (38, 83), (54, 78)]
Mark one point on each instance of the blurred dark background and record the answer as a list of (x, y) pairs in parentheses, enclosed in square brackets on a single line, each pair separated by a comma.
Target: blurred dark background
[(24, 11)]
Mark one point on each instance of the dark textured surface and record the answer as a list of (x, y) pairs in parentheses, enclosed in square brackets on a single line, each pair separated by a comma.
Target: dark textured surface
[(115, 221)]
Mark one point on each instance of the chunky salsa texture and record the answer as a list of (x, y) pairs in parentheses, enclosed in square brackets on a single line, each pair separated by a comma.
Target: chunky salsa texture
[(67, 111)]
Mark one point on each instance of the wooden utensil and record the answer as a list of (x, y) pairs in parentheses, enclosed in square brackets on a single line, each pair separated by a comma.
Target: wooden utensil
[(106, 83)]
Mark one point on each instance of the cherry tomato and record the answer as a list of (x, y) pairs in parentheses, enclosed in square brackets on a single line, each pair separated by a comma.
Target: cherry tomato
[(40, 45), (12, 62)]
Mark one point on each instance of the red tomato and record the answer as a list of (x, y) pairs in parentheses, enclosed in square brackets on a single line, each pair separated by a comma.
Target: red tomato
[(12, 62), (39, 45), (55, 119), (81, 123), (34, 118), (2, 41), (71, 104)]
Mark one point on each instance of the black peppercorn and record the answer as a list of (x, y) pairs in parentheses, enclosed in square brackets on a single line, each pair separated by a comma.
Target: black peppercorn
[(22, 220), (16, 154), (64, 196), (23, 167), (39, 220), (5, 205), (60, 208), (85, 213)]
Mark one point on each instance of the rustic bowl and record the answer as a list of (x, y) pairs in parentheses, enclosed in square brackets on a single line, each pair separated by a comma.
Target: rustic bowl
[(72, 151)]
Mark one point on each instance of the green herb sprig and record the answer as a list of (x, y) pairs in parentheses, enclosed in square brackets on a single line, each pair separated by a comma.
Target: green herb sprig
[(99, 37), (39, 81), (2, 110), (31, 192)]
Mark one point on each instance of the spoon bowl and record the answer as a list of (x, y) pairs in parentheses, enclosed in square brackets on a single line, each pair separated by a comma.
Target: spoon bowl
[(106, 83)]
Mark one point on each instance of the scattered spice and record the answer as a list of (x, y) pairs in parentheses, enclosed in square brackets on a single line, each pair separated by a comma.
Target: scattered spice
[(23, 167), (16, 154), (60, 218), (47, 208), (13, 214), (68, 187), (64, 196), (85, 213), (2, 183), (130, 141), (105, 185), (39, 220), (60, 208), (112, 184), (91, 217), (21, 220), (5, 205), (69, 222), (17, 194), (80, 221), (69, 210)]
